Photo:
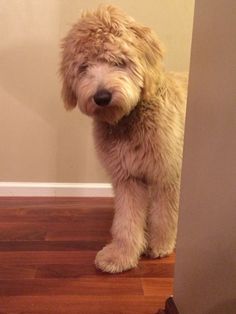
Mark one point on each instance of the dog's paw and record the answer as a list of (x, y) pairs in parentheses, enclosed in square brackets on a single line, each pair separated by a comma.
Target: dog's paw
[(113, 259), (160, 252)]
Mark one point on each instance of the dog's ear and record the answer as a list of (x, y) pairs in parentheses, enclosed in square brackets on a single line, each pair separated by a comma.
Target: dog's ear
[(151, 53), (68, 96), (148, 43), (66, 73)]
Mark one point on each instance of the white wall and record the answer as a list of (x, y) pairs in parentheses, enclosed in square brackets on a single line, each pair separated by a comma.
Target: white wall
[(205, 278)]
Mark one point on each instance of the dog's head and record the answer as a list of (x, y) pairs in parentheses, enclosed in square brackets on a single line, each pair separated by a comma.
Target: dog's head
[(109, 64)]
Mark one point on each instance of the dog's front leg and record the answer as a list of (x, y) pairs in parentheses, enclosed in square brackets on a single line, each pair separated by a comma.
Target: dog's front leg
[(162, 221), (128, 229)]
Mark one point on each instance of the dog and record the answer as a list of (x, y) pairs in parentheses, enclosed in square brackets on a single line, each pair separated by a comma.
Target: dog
[(112, 67)]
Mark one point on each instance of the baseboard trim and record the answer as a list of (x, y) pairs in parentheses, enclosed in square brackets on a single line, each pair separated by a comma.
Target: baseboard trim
[(32, 189)]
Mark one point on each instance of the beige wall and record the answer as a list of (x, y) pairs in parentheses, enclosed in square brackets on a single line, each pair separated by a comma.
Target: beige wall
[(205, 277), (39, 140)]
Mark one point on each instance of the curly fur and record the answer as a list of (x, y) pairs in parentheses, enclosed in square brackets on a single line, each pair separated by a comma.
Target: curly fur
[(138, 136)]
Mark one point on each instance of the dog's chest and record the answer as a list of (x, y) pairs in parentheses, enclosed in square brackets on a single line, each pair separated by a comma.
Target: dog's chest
[(126, 156)]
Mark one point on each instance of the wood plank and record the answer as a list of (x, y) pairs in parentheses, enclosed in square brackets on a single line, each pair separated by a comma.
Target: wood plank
[(17, 272), (82, 245), (75, 271), (47, 257), (56, 202), (80, 304), (82, 286), (26, 232), (52, 264), (156, 286), (54, 214), (80, 230)]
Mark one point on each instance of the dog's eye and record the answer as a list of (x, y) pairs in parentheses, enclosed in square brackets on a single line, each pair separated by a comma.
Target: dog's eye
[(83, 67), (121, 64)]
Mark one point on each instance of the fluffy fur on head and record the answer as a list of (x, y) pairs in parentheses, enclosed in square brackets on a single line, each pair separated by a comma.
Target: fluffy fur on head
[(112, 67), (108, 50)]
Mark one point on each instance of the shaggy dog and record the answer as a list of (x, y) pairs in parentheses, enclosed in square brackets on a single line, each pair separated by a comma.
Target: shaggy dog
[(112, 68)]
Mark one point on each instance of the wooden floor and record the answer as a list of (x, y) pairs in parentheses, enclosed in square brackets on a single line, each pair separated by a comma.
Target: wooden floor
[(47, 251)]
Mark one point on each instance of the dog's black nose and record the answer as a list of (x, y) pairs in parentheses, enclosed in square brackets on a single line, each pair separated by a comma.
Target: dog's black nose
[(102, 97)]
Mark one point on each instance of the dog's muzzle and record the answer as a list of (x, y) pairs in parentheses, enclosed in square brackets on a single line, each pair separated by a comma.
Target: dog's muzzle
[(102, 97)]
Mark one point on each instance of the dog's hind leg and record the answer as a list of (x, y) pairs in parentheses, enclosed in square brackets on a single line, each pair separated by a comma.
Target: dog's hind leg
[(162, 221), (128, 229)]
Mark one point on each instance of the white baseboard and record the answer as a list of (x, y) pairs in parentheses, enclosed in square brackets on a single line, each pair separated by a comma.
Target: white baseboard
[(56, 189)]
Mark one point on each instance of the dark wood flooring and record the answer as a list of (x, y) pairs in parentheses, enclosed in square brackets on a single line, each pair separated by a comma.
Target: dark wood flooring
[(47, 251)]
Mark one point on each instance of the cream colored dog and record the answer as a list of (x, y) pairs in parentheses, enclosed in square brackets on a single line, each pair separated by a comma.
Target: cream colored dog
[(112, 68)]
